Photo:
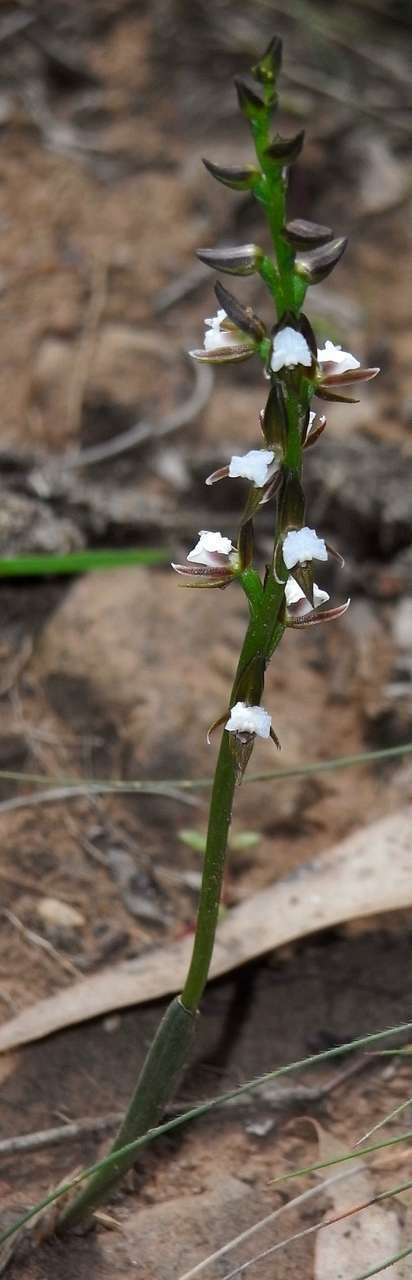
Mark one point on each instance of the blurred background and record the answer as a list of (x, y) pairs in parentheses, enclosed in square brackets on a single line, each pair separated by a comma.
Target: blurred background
[(108, 432)]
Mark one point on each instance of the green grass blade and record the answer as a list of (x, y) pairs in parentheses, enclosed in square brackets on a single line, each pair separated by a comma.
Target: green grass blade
[(202, 784), (196, 1112), (356, 1154), (79, 562)]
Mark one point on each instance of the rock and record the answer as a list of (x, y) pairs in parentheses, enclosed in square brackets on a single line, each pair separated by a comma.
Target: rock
[(58, 916)]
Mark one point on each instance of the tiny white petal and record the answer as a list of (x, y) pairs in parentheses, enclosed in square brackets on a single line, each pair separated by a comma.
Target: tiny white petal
[(246, 719), (335, 355), (319, 596), (214, 322), (312, 417), (211, 549), (289, 349), (215, 337), (252, 466), (301, 545)]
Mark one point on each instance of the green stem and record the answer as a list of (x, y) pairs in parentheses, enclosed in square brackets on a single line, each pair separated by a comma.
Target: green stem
[(158, 1079)]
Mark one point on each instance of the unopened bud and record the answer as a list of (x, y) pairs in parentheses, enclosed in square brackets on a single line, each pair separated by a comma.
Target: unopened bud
[(242, 260), (306, 235), (274, 419), (250, 103), (316, 265), (268, 67), (243, 317), (291, 503), (238, 178), (286, 150)]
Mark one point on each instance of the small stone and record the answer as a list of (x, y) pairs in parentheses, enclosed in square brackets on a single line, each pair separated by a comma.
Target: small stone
[(59, 915)]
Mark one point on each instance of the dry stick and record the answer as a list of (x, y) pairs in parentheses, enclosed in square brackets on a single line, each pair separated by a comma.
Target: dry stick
[(62, 1133), (85, 790), (36, 940), (71, 1131)]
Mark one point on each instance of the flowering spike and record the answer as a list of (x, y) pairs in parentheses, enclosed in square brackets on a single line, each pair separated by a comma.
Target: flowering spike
[(306, 235), (317, 264), (237, 178), (243, 317)]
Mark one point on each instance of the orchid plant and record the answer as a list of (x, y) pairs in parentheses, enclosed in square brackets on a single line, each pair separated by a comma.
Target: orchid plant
[(296, 371)]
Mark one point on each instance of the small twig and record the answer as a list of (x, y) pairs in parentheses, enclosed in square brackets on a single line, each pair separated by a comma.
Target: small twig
[(86, 789), (62, 1133), (36, 940)]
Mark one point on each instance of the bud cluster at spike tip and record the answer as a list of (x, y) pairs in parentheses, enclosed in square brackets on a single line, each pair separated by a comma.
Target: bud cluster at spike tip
[(298, 369)]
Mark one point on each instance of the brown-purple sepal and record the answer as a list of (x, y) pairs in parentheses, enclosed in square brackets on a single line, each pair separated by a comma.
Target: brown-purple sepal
[(243, 317), (345, 379), (224, 355), (318, 615), (201, 575), (310, 437)]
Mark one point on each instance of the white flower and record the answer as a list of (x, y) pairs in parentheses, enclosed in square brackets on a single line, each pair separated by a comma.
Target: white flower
[(212, 549), (335, 355), (296, 600), (254, 466), (289, 349), (301, 545), (216, 337), (246, 719)]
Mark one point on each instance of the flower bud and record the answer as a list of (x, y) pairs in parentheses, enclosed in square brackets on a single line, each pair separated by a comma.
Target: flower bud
[(316, 265), (250, 103), (306, 235), (291, 503), (274, 420), (243, 317), (243, 260), (246, 545), (285, 151), (268, 67), (238, 178)]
